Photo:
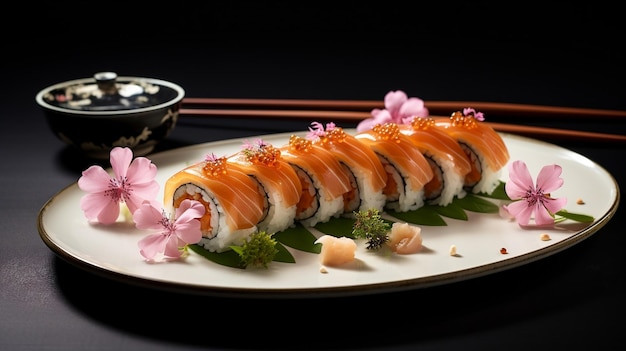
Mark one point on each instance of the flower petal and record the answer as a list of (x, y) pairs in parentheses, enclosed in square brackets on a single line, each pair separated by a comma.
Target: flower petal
[(94, 179), (148, 217), (519, 180), (141, 177), (543, 217), (141, 170), (503, 212), (187, 224), (394, 101), (413, 107), (521, 211), (365, 125), (171, 247), (142, 193), (369, 123), (110, 213), (548, 179), (98, 207), (120, 158), (555, 205), (383, 117), (376, 111), (189, 232), (151, 245), (189, 210)]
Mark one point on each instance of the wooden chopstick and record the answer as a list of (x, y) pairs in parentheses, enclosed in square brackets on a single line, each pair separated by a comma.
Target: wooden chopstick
[(435, 107), (354, 116), (343, 116), (566, 134)]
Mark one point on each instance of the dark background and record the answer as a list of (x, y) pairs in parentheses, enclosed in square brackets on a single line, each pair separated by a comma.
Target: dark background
[(311, 49), (552, 54)]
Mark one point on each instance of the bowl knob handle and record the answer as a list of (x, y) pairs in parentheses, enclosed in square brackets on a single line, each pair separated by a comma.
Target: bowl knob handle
[(106, 82)]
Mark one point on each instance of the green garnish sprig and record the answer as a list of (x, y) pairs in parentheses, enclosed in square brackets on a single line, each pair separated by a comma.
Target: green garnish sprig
[(258, 250), (370, 225)]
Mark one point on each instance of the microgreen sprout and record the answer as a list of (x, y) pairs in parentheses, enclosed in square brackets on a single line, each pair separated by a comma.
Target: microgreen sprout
[(258, 250), (369, 225)]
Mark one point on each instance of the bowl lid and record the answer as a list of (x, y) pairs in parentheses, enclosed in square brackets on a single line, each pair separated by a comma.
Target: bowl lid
[(108, 93)]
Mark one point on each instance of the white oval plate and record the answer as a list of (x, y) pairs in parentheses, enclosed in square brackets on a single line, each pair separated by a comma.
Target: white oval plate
[(112, 250)]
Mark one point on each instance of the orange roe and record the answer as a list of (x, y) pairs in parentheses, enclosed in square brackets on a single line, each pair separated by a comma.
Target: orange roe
[(299, 144), (334, 135), (422, 123), (266, 155), (459, 120), (214, 167), (387, 131)]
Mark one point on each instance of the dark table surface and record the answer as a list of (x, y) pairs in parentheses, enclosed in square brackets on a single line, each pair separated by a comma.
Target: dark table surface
[(574, 298)]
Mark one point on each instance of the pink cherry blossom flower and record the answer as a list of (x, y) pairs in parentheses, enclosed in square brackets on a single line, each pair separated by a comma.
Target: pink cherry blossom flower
[(399, 108), (318, 130), (258, 144), (132, 183), (211, 157), (479, 116), (174, 234), (529, 198)]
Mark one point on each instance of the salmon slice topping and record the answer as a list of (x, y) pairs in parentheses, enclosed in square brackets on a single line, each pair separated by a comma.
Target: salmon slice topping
[(436, 143), (479, 136), (319, 163), (265, 162), (235, 191), (387, 141), (350, 151)]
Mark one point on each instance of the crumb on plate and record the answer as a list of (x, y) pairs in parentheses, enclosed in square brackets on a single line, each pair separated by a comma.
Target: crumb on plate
[(453, 250)]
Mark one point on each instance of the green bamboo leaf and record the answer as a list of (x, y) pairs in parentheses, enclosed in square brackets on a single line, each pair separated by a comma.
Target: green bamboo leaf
[(232, 258), (474, 203), (453, 210), (229, 258), (283, 255), (299, 238), (498, 193), (575, 216), (425, 215), (338, 227)]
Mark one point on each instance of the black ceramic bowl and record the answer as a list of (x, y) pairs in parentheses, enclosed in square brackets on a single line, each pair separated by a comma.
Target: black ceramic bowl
[(97, 114)]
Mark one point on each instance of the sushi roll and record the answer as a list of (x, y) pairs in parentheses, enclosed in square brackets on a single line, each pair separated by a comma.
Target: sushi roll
[(407, 169), (279, 181), (324, 181), (368, 174), (445, 156), (233, 201), (484, 147)]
